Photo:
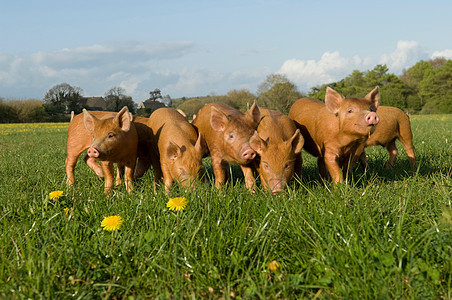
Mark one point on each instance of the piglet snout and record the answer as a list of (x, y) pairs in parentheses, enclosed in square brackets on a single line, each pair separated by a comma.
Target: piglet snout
[(372, 118), (93, 152), (248, 154), (276, 186)]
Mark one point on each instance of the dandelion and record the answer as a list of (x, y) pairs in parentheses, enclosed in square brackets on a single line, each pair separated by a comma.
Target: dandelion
[(177, 203), (273, 266), (55, 195), (66, 210), (111, 223)]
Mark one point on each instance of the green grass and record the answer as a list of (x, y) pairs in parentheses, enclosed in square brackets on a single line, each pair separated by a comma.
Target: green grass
[(384, 235)]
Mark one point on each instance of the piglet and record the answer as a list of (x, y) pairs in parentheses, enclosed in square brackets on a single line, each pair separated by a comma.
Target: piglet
[(337, 130), (114, 140), (394, 124), (79, 139), (227, 132), (278, 144), (178, 147)]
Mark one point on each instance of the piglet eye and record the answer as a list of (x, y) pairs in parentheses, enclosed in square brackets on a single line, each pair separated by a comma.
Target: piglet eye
[(350, 110), (111, 135)]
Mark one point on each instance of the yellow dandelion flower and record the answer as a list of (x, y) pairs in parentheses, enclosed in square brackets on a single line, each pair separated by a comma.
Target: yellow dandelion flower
[(177, 203), (55, 195), (66, 210), (273, 266), (111, 223)]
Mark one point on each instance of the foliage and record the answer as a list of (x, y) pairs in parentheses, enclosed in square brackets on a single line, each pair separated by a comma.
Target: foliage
[(358, 84), (7, 113), (278, 93), (424, 87), (23, 111), (240, 99), (435, 89), (116, 99), (191, 107), (29, 111), (384, 235), (149, 107), (62, 99)]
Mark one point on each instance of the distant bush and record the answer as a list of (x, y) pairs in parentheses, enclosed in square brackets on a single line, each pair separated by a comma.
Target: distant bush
[(7, 113), (29, 111), (191, 107), (23, 111)]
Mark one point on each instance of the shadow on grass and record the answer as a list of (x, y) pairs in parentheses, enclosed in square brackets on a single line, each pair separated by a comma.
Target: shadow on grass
[(311, 178), (401, 168)]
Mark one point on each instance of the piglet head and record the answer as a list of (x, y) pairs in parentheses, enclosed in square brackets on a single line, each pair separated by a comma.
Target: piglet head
[(357, 116), (108, 134), (184, 162), (236, 129), (276, 161)]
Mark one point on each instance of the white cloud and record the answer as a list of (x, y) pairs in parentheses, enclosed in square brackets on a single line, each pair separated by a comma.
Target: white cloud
[(308, 73), (130, 85), (447, 54), (93, 68), (407, 54), (178, 69), (333, 67), (325, 69)]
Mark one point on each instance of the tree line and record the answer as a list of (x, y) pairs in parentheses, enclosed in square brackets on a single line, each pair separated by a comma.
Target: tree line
[(424, 88)]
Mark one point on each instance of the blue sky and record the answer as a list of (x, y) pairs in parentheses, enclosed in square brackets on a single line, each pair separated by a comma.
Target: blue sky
[(197, 48)]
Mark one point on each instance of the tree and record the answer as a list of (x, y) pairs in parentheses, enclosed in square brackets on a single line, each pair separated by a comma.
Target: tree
[(376, 76), (7, 113), (393, 94), (278, 93), (191, 107), (167, 100), (422, 80), (155, 94), (269, 82), (116, 99), (29, 111), (241, 99), (414, 75), (358, 84), (435, 89), (62, 99)]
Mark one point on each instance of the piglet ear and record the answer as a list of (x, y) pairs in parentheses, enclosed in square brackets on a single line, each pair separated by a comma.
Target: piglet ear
[(173, 151), (257, 143), (297, 141), (201, 145), (333, 100), (218, 120), (374, 98), (124, 119), (254, 113), (89, 120)]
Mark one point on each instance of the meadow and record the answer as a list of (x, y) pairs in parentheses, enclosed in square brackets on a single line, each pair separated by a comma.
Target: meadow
[(385, 234)]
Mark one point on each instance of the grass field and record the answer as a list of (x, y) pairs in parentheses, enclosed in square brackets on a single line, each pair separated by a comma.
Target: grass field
[(384, 235)]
